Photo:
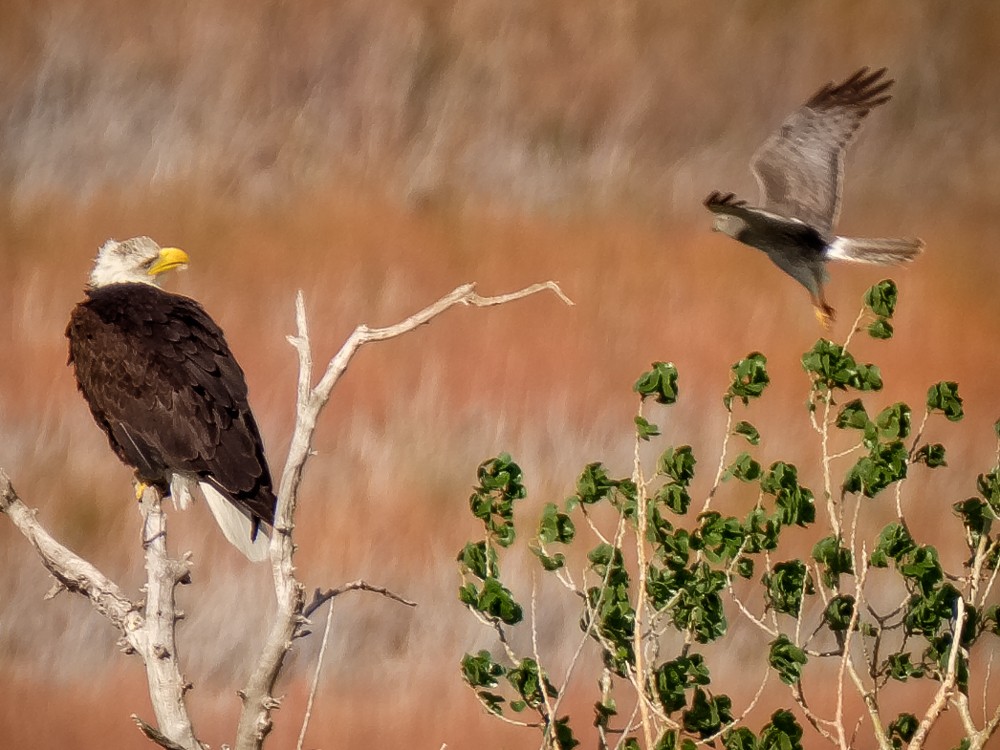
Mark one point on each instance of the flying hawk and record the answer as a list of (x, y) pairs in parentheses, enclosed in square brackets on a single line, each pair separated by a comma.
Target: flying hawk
[(800, 171), (161, 382)]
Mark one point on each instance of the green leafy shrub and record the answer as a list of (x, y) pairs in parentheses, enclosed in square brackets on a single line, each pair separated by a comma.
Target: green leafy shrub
[(666, 564)]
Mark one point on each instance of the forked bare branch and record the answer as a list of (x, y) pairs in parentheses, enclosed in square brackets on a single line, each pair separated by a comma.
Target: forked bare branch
[(258, 701)]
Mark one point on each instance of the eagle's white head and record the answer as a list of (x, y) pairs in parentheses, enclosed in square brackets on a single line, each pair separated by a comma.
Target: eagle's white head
[(135, 261), (728, 224)]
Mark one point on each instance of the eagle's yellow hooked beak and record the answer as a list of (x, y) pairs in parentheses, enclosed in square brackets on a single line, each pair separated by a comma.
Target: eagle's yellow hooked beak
[(170, 258)]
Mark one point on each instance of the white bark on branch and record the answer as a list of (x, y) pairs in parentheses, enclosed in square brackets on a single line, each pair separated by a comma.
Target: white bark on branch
[(258, 700), (147, 629)]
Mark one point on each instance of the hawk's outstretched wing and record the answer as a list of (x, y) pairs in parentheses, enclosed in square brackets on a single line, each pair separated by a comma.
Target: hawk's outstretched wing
[(800, 167)]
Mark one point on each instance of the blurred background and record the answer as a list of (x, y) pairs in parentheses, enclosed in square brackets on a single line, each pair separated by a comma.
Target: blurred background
[(375, 156)]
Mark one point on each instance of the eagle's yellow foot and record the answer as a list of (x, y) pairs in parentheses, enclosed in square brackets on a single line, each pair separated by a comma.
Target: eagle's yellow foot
[(825, 316), (140, 488)]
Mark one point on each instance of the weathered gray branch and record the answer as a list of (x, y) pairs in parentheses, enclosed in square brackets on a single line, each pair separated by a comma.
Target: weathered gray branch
[(147, 629), (258, 699)]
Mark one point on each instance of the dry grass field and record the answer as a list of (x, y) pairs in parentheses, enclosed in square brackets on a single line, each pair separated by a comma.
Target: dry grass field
[(375, 156)]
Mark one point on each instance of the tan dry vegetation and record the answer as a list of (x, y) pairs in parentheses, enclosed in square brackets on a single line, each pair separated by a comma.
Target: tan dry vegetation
[(376, 156)]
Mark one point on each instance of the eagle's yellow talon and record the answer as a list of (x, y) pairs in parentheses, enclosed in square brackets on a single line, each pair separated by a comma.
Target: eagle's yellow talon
[(140, 488)]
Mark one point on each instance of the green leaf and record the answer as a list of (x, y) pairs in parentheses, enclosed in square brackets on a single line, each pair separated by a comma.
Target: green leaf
[(787, 659), (644, 429), (740, 738), (748, 431), (549, 562), (853, 416), (529, 681), (838, 613), (931, 454), (497, 601), (691, 598), (671, 679), (835, 559), (782, 733), (834, 367), (660, 383), (604, 712), (749, 379), (744, 468), (900, 667), (989, 488), (492, 501), (885, 464), (555, 526), (880, 329), (922, 566), (795, 503), (678, 464), (904, 727), (479, 560), (893, 422), (707, 714), (977, 516), (762, 531), (674, 497), (894, 543), (480, 670), (594, 484), (719, 537), (563, 733), (492, 701), (943, 397), (786, 585), (881, 298), (927, 614)]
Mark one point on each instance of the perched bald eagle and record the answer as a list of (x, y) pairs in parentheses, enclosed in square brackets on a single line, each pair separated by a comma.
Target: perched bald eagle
[(160, 380)]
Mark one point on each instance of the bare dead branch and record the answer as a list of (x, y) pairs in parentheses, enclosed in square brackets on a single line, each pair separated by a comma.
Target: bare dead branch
[(258, 701), (155, 735), (147, 629), (322, 597), (70, 570), (167, 685)]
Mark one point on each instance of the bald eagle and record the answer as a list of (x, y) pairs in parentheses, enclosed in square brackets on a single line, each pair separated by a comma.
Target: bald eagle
[(161, 382)]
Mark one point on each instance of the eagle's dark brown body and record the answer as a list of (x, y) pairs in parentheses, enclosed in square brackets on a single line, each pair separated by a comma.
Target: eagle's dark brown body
[(160, 380)]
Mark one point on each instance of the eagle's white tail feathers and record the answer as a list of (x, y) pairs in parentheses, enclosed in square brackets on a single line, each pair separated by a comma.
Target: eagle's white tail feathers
[(878, 250), (180, 490), (236, 526)]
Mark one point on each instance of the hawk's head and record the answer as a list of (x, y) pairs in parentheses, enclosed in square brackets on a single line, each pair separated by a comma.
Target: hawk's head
[(728, 224)]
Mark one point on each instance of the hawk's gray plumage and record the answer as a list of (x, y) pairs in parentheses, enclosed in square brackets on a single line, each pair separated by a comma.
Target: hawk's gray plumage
[(800, 170)]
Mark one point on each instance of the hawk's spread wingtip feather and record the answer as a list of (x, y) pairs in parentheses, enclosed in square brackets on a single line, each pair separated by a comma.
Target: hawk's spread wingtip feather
[(799, 169)]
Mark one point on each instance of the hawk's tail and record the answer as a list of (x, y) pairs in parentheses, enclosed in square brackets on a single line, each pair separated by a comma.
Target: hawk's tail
[(878, 250)]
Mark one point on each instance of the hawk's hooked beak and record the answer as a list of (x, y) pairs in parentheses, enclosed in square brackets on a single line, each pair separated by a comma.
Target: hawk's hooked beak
[(169, 259)]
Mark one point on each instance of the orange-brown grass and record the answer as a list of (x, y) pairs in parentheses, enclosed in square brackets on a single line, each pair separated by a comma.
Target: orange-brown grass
[(385, 498)]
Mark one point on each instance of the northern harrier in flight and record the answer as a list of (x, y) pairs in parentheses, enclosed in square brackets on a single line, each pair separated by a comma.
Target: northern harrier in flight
[(800, 171)]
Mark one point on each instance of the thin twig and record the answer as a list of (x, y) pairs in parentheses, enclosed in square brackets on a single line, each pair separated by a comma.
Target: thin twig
[(315, 681), (322, 597)]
